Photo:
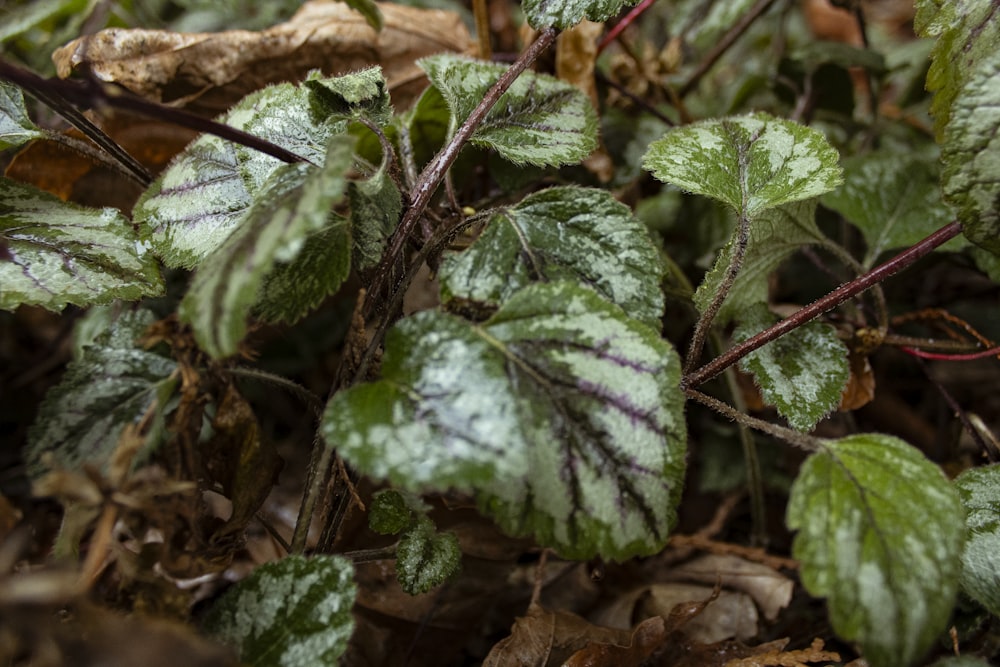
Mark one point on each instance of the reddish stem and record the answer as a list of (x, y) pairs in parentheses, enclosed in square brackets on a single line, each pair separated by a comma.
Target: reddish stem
[(942, 356), (820, 306), (626, 21)]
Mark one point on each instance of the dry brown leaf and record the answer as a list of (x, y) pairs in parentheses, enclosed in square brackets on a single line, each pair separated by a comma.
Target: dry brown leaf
[(576, 56), (779, 658), (211, 71), (771, 590), (860, 389)]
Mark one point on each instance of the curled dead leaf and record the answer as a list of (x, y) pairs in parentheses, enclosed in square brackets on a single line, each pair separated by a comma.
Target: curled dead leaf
[(208, 72)]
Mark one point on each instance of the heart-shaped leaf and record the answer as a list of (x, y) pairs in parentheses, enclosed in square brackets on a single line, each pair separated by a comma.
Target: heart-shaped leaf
[(563, 416)]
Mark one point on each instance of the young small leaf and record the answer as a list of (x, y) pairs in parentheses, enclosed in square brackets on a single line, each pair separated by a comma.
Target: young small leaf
[(113, 384), (53, 253), (389, 512), (880, 536), (540, 120), (426, 558), (295, 201), (376, 207), (15, 126), (565, 14), (894, 199), (802, 374), (563, 233), (752, 163), (562, 415), (295, 612), (194, 206), (979, 489), (355, 96)]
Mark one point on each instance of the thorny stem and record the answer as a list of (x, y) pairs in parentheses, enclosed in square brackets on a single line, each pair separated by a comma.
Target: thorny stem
[(93, 93), (820, 306), (802, 440), (727, 41)]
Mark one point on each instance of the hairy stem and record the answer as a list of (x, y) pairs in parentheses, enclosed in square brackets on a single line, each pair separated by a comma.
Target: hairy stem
[(792, 436), (820, 306)]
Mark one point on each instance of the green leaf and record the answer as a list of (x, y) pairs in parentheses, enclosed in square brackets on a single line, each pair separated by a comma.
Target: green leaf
[(389, 513), (376, 207), (112, 384), (564, 14), (357, 96), (774, 236), (15, 126), (563, 416), (752, 163), (979, 489), (197, 203), (880, 535), (893, 198), (369, 9), (540, 120), (563, 233), (802, 374), (295, 612), (295, 201), (426, 558), (53, 253)]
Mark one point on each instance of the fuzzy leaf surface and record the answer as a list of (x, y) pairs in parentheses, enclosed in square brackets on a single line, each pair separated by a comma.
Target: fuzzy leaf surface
[(880, 536), (16, 127), (295, 612), (53, 253), (802, 374), (112, 384), (426, 558), (893, 199), (752, 163), (376, 207), (540, 120), (774, 236), (295, 201), (563, 416), (361, 95), (203, 196), (565, 14), (563, 233), (979, 489)]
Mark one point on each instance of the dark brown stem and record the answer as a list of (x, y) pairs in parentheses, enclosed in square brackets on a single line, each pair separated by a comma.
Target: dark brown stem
[(430, 178), (820, 306), (727, 41), (93, 94)]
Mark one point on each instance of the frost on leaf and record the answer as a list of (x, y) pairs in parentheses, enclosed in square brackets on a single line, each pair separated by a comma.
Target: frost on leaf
[(15, 126), (560, 414), (802, 374), (564, 14), (113, 383), (751, 163), (893, 198), (295, 612), (979, 489), (880, 536), (563, 233), (426, 558), (540, 120), (293, 203), (203, 196), (53, 253)]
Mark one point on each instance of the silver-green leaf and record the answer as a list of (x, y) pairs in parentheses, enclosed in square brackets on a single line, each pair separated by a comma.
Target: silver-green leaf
[(540, 120), (15, 126), (203, 196), (112, 384), (751, 163), (893, 198), (426, 558), (53, 253), (561, 233), (295, 201), (376, 207), (880, 536), (560, 414), (802, 374), (979, 489), (361, 95), (295, 612), (565, 14)]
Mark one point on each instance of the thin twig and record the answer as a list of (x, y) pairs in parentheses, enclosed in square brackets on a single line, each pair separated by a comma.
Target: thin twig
[(306, 396), (828, 302), (802, 440)]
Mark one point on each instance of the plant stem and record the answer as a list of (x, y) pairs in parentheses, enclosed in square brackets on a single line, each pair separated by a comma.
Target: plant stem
[(626, 21), (792, 436), (430, 178), (723, 45), (306, 396), (828, 302), (316, 477)]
